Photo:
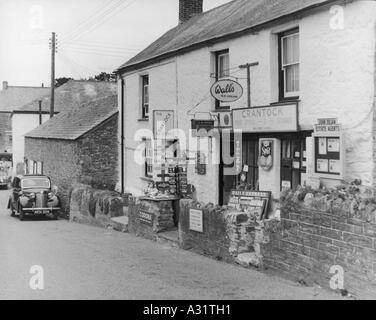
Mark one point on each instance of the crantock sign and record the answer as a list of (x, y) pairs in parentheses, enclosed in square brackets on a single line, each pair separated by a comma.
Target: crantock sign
[(226, 90)]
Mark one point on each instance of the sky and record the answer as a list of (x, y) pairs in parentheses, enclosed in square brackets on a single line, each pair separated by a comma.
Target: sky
[(92, 35)]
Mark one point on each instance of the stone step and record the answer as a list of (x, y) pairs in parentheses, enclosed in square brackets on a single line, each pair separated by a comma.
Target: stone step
[(120, 223), (169, 237)]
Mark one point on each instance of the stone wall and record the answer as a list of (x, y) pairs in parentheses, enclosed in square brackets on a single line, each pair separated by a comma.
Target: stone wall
[(95, 207), (5, 127), (214, 241), (161, 214), (327, 229), (98, 151), (319, 231), (60, 162)]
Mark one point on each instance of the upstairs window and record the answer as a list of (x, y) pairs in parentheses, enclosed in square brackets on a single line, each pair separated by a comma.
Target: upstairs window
[(145, 97), (289, 64), (222, 72)]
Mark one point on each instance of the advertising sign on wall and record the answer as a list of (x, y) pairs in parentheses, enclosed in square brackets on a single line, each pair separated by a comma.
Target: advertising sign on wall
[(226, 90), (163, 123), (145, 217), (196, 220), (247, 201)]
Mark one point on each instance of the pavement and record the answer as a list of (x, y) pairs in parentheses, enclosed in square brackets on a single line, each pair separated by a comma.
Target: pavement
[(85, 262)]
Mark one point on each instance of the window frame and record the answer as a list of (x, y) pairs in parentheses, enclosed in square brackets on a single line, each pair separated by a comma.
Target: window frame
[(218, 54), (144, 114), (283, 94)]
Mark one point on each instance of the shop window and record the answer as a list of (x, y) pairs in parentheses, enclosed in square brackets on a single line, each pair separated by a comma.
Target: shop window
[(145, 97), (222, 72), (289, 48), (149, 156)]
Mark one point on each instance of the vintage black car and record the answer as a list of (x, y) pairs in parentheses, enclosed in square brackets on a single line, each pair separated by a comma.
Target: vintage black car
[(32, 194)]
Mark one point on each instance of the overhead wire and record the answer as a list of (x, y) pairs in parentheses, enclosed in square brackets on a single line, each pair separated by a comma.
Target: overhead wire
[(114, 9), (82, 25)]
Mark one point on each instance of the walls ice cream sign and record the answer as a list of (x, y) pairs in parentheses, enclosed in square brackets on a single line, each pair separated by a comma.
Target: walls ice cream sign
[(226, 90)]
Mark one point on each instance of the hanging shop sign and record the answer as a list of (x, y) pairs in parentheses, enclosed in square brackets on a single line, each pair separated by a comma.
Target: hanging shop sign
[(163, 122), (328, 149), (274, 118), (226, 90), (196, 220), (201, 128), (145, 217), (266, 154), (255, 202)]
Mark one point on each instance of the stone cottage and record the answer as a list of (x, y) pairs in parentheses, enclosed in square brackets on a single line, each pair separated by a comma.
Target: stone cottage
[(71, 95), (77, 146)]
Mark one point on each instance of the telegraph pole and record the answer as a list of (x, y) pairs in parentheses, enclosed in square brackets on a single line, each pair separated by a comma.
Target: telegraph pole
[(53, 51), (248, 67), (40, 112)]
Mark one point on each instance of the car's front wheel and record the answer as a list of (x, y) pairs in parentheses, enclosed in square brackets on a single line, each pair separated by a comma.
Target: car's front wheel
[(21, 213), (55, 215)]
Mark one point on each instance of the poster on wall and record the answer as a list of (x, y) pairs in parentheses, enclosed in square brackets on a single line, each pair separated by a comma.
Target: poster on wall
[(322, 146), (163, 122), (322, 165), (333, 144), (286, 184), (266, 155), (334, 166), (196, 220)]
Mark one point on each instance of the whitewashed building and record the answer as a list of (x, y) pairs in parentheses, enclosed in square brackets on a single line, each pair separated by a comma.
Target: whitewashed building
[(310, 60)]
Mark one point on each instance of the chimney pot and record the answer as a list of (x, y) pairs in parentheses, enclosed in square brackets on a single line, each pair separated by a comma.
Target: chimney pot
[(188, 9), (5, 85)]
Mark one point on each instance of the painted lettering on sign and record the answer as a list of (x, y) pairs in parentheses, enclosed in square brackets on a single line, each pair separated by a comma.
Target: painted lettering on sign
[(196, 220), (281, 118), (145, 217), (227, 90)]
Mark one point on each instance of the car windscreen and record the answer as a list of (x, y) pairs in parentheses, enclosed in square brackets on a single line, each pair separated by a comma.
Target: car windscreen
[(35, 183)]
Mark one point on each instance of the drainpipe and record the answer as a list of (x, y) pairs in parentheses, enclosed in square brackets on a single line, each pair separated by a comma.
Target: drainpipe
[(122, 132)]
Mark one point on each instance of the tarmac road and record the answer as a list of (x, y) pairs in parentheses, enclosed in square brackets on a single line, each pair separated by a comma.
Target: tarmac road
[(84, 262)]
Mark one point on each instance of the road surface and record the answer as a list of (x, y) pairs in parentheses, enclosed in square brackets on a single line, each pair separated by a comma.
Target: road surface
[(85, 262)]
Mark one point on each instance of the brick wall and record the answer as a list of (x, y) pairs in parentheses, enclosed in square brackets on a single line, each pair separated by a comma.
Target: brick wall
[(308, 242), (92, 159), (188, 8)]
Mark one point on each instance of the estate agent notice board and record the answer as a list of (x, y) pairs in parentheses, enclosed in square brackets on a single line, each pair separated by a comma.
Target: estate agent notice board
[(328, 149)]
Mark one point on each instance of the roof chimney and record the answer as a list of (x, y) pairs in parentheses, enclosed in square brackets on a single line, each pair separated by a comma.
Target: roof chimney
[(5, 85), (188, 9)]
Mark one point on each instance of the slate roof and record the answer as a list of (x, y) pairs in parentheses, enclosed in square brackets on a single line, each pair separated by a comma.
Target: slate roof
[(72, 124), (73, 94), (229, 19), (15, 97)]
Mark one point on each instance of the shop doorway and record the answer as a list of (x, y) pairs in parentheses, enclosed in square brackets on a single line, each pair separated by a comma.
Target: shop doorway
[(293, 162), (250, 153)]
